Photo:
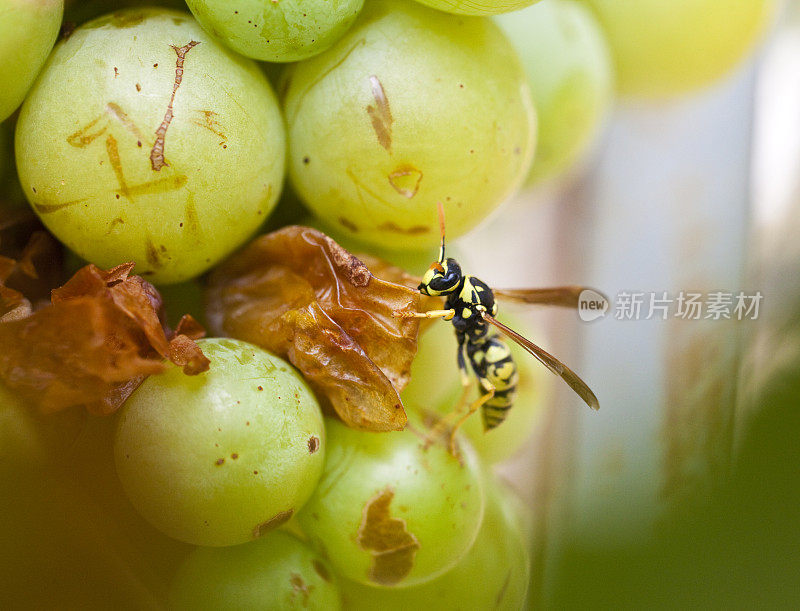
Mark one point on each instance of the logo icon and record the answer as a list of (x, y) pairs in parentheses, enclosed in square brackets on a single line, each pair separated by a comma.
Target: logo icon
[(592, 305)]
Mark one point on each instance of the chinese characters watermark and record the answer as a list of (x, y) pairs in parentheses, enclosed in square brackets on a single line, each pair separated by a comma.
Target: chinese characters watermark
[(661, 305)]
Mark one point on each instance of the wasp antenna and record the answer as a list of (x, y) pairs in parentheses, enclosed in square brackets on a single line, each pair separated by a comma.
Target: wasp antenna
[(441, 228)]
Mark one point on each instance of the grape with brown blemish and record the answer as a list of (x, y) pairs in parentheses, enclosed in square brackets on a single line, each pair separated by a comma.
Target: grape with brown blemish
[(145, 140), (494, 574), (410, 108), (278, 572), (223, 457), (390, 512)]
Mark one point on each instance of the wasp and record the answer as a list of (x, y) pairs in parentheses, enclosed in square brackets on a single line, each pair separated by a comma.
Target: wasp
[(471, 307)]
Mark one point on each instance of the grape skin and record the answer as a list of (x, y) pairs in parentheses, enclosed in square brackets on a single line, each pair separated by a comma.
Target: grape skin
[(477, 7), (412, 107), (28, 31), (136, 144), (434, 504), (221, 458), (11, 196), (30, 440), (569, 68), (274, 573), (494, 574), (286, 31), (6, 155), (662, 49)]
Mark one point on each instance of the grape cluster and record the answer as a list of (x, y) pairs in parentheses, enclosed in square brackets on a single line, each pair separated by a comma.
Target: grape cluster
[(157, 135)]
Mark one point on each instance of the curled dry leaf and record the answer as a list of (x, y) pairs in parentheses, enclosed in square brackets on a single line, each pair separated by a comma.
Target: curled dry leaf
[(299, 294), (93, 345)]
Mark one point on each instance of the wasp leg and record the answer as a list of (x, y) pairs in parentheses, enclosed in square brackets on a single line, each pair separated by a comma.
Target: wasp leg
[(474, 407), (446, 314), (444, 426), (441, 428)]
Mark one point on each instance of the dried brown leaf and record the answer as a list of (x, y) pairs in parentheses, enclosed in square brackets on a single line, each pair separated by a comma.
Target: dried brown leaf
[(299, 294), (102, 334)]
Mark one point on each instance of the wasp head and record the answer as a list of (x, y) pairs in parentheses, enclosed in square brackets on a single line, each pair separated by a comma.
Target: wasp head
[(441, 278)]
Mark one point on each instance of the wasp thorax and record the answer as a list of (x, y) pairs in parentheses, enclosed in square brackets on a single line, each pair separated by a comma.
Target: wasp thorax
[(441, 278)]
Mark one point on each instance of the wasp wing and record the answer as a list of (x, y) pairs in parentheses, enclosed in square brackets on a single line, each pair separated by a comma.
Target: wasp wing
[(562, 296), (549, 361)]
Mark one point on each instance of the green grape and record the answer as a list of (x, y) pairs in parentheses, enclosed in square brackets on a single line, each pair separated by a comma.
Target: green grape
[(570, 71), (277, 572), (390, 512), (473, 7), (73, 526), (136, 145), (222, 457), (412, 107), (28, 30), (435, 386), (272, 31), (662, 48), (494, 574)]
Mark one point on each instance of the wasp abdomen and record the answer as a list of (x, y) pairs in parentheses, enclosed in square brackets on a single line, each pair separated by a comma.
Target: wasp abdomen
[(495, 409), (492, 361)]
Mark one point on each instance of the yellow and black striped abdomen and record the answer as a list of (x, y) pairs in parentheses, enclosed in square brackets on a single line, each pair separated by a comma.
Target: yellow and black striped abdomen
[(492, 361)]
